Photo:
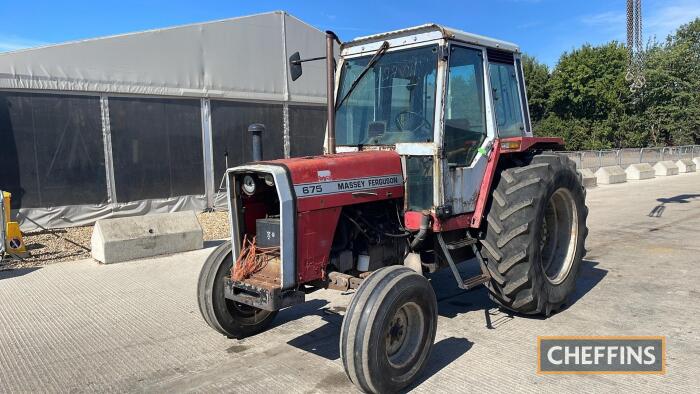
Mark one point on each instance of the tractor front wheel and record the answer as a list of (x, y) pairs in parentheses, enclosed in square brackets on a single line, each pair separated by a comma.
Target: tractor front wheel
[(389, 329), (230, 318), (535, 236)]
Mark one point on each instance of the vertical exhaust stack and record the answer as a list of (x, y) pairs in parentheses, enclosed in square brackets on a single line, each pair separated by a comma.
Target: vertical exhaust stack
[(256, 129), (331, 38)]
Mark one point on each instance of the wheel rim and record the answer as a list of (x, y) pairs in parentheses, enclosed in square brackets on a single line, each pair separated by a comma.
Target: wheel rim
[(559, 234), (404, 335)]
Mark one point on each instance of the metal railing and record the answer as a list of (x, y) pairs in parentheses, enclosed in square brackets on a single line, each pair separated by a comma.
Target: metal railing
[(594, 159)]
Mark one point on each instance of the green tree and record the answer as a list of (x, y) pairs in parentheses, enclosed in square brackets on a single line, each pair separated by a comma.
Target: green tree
[(536, 77), (589, 82), (587, 100), (670, 101)]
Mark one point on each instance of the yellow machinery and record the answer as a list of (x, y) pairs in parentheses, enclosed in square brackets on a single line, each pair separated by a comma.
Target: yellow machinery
[(11, 236)]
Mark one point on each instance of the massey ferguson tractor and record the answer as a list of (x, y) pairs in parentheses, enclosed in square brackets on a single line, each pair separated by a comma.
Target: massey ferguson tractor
[(430, 161)]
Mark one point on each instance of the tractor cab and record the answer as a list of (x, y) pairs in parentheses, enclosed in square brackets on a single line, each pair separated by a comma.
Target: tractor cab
[(439, 98)]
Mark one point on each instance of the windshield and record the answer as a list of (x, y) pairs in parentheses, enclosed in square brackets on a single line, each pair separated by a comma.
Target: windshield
[(393, 102)]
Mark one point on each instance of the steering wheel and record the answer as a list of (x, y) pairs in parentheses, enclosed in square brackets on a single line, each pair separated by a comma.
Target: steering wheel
[(405, 119)]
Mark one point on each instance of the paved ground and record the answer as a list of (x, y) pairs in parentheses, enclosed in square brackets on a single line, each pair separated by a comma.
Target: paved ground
[(136, 326)]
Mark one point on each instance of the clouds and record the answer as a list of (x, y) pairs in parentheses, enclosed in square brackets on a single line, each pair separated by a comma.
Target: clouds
[(667, 19), (604, 18), (659, 18), (13, 43)]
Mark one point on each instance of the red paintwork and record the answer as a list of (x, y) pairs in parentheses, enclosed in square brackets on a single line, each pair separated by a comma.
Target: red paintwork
[(314, 242), (527, 143), (254, 210), (412, 221), (485, 189), (317, 216)]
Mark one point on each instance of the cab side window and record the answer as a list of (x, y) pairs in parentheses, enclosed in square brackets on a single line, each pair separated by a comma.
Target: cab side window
[(506, 100), (465, 115)]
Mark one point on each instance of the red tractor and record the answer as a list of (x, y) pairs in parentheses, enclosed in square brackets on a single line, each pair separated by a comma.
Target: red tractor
[(430, 161)]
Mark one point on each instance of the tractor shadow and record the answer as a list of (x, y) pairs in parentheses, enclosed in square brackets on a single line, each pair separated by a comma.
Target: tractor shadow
[(453, 301), (658, 210), (444, 353), (324, 341)]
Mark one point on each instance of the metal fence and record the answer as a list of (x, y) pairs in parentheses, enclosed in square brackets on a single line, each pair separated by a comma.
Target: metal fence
[(594, 159)]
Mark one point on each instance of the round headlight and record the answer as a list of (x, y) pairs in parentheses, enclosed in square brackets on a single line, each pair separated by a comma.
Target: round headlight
[(248, 185), (269, 181)]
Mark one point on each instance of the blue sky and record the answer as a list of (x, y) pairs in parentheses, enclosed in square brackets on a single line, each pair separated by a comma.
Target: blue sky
[(543, 28)]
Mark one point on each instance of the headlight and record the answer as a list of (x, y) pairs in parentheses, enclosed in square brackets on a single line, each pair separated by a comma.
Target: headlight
[(269, 181), (248, 185)]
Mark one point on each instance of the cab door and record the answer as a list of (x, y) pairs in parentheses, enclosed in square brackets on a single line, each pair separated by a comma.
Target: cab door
[(476, 111), (468, 129)]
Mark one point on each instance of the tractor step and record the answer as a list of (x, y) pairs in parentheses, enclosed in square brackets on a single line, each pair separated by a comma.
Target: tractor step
[(469, 283), (474, 281), (459, 244)]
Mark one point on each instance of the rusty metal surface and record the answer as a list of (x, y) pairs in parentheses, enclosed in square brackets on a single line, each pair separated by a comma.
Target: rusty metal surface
[(343, 282)]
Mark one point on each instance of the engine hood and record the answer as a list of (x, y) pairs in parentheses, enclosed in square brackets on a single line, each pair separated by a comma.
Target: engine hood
[(344, 178)]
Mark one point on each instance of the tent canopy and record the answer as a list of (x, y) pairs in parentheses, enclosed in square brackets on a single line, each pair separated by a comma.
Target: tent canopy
[(239, 58)]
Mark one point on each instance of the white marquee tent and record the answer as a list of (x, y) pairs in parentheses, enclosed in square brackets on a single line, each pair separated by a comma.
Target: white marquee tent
[(147, 122)]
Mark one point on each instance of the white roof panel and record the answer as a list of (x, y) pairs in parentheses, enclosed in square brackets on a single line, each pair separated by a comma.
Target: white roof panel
[(443, 32)]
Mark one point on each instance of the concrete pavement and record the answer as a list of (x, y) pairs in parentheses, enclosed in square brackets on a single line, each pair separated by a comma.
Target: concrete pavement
[(81, 326)]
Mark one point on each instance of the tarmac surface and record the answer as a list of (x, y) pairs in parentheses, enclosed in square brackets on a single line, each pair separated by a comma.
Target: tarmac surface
[(81, 326)]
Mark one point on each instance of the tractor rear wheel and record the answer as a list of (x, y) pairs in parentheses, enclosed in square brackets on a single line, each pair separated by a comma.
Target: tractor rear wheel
[(389, 329), (536, 232), (230, 318)]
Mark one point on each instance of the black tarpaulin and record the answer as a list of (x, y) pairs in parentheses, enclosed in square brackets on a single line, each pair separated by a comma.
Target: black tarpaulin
[(156, 147), (51, 151), (307, 129), (230, 136)]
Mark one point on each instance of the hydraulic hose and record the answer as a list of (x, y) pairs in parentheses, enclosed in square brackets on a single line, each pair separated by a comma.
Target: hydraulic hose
[(422, 231)]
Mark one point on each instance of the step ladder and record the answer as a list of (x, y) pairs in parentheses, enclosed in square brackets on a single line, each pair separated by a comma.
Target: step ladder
[(468, 283)]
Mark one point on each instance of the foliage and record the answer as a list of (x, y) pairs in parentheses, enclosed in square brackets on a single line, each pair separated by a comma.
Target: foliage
[(586, 98), (537, 76)]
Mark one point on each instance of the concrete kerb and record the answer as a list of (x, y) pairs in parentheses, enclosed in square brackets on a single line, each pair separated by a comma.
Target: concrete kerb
[(588, 177), (685, 165), (665, 168), (123, 239), (610, 175), (639, 171)]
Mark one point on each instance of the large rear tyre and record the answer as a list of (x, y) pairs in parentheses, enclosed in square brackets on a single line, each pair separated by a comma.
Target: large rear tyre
[(230, 318), (389, 329), (535, 237)]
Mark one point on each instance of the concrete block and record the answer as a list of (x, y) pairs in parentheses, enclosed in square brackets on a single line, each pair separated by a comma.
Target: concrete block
[(665, 168), (685, 165), (610, 175), (124, 239), (639, 171), (696, 160), (588, 178)]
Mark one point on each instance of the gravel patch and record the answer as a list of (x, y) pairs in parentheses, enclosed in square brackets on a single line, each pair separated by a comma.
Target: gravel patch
[(214, 225), (69, 244)]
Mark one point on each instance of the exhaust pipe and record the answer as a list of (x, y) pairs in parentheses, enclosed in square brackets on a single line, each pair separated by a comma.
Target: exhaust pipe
[(331, 38), (256, 129)]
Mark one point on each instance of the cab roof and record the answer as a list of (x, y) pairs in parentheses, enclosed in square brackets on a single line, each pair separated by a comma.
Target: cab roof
[(432, 31)]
